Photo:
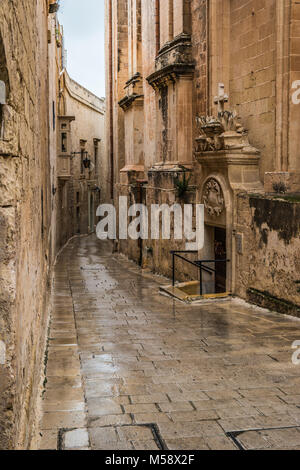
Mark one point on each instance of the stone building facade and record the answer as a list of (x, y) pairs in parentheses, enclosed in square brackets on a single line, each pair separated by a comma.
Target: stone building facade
[(77, 133), (203, 107), (36, 94), (80, 150)]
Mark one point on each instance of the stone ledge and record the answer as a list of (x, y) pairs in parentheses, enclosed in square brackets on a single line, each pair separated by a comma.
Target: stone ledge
[(271, 302), (170, 73), (282, 182), (127, 101)]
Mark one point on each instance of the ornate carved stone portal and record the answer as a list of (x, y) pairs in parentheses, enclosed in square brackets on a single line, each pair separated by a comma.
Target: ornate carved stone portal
[(223, 148), (213, 198)]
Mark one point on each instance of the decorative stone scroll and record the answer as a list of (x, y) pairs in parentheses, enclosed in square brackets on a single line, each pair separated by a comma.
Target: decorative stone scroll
[(213, 198), (222, 133)]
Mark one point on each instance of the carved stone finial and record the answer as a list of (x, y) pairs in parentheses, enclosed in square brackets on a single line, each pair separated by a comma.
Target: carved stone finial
[(222, 98)]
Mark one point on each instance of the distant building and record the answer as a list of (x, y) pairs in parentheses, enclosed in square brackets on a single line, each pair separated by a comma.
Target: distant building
[(78, 147)]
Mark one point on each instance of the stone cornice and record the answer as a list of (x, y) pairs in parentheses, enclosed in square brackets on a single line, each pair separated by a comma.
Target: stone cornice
[(175, 59), (169, 74), (228, 158), (128, 100), (180, 40), (134, 79)]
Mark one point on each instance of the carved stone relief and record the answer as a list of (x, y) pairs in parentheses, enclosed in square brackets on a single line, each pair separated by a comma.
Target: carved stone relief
[(213, 198)]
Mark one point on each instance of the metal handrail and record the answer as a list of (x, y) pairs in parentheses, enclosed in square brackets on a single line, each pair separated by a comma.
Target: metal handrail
[(198, 264)]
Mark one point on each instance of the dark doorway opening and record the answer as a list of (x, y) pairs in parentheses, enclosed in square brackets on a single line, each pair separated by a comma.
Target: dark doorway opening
[(221, 254)]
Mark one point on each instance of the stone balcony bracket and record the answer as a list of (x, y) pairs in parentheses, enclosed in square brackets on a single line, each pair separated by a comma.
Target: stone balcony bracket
[(131, 174), (126, 102), (175, 59), (134, 80), (171, 167), (133, 92)]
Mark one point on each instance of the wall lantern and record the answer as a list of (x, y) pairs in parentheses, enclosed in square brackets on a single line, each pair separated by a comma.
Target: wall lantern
[(96, 189), (86, 161)]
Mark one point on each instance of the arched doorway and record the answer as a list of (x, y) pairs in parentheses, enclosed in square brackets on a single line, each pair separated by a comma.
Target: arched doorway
[(217, 201)]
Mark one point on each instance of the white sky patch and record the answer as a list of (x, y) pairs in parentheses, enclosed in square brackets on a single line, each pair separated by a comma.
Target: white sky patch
[(84, 32)]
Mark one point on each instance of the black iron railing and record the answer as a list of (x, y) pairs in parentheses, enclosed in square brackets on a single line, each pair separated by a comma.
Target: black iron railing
[(198, 264)]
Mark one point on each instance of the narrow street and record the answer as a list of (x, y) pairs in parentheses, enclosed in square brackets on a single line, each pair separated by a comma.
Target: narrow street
[(128, 368)]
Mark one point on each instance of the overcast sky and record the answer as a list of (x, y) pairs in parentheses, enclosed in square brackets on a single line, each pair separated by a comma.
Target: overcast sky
[(83, 23)]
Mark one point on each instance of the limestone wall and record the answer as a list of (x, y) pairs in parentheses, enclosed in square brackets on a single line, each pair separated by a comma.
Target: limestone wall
[(25, 208), (270, 258), (253, 72)]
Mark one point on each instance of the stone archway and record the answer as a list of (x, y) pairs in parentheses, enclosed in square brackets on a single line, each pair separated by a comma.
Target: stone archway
[(217, 198)]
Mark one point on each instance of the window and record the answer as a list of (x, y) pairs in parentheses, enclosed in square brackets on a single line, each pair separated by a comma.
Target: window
[(2, 103), (81, 162), (83, 154), (96, 158), (65, 196), (64, 142)]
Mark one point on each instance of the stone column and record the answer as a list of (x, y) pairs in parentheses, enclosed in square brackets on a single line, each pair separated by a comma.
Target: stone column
[(132, 102), (183, 151), (286, 175), (219, 43), (166, 22), (182, 17)]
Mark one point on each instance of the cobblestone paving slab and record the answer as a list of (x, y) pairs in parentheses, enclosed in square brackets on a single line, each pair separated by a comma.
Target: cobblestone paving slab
[(131, 369)]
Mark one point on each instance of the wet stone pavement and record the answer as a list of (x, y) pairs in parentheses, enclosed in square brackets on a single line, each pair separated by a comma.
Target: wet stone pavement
[(130, 369)]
